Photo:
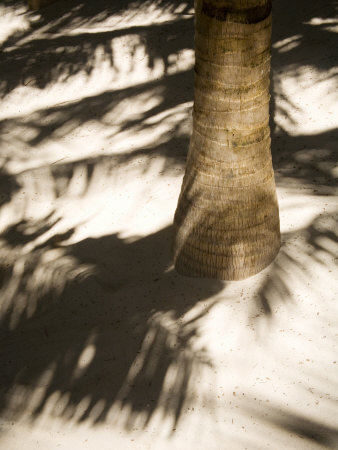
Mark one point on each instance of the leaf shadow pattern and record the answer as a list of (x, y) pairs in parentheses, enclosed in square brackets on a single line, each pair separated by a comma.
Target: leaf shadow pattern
[(61, 120), (309, 430), (300, 253), (305, 167), (57, 45), (303, 162), (101, 330), (8, 186)]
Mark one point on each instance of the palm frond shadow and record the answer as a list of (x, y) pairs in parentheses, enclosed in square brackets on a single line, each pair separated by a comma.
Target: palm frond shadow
[(309, 430), (316, 245), (53, 48), (8, 186), (107, 325), (60, 120), (303, 161)]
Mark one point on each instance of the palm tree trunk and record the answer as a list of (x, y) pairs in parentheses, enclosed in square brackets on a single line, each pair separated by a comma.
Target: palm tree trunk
[(227, 220)]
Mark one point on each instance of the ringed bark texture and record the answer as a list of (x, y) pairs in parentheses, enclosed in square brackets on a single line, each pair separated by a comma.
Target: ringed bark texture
[(227, 220)]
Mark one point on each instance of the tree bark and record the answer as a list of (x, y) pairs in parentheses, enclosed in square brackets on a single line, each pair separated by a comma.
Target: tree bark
[(226, 223)]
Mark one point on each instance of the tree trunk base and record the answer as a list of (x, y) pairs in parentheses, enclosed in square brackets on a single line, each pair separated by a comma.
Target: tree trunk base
[(237, 270)]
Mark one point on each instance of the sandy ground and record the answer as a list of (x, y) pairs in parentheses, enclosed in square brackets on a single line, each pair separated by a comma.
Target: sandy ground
[(103, 345)]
